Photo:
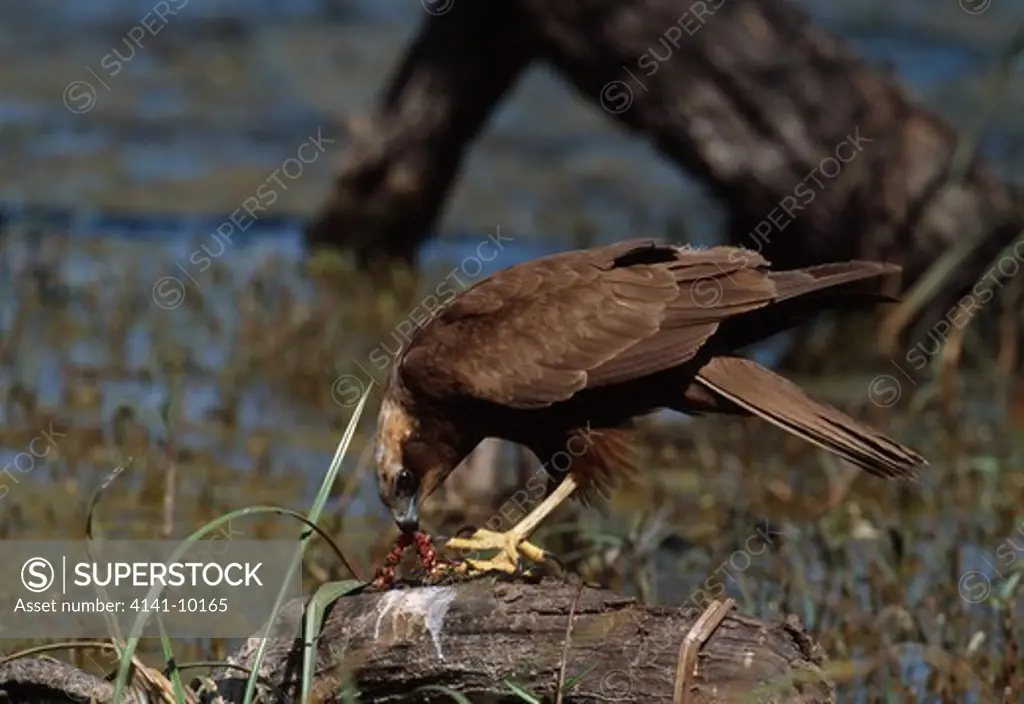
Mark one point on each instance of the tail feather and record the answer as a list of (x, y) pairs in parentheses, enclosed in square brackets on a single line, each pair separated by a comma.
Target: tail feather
[(801, 282), (769, 396), (802, 294)]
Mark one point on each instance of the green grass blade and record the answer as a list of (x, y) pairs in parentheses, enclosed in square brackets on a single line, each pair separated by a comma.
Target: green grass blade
[(326, 595), (349, 695), (115, 634), (1006, 591), (457, 696), (175, 676), (132, 642), (314, 515), (522, 692), (573, 681)]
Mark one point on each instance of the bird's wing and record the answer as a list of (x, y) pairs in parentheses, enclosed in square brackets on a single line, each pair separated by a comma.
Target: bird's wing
[(537, 333)]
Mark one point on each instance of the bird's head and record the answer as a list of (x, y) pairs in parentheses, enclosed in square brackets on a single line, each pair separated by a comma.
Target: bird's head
[(406, 469)]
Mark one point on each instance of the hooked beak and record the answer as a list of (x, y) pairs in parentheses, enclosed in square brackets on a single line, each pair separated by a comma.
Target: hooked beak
[(406, 514), (404, 503)]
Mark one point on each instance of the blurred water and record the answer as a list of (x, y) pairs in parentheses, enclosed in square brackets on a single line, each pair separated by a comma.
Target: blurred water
[(194, 119)]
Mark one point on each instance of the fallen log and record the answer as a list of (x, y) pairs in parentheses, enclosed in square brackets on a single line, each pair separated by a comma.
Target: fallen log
[(403, 161), (814, 155), (475, 637)]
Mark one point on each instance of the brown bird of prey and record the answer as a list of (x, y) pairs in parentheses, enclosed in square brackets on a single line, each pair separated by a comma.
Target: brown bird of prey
[(561, 353)]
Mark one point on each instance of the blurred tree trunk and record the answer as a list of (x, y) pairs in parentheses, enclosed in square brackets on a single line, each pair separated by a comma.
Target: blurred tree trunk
[(816, 156), (403, 161)]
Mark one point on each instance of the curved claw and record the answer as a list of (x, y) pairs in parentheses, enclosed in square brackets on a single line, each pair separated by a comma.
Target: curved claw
[(466, 531), (550, 557)]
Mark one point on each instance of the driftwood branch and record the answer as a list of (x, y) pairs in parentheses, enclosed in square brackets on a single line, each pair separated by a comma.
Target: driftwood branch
[(747, 95), (404, 160), (474, 636)]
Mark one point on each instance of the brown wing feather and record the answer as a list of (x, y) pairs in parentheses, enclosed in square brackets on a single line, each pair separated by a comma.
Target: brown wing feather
[(537, 333), (781, 402), (711, 288)]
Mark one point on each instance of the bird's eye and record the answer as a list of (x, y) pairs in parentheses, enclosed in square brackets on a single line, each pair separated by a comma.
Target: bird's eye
[(405, 483)]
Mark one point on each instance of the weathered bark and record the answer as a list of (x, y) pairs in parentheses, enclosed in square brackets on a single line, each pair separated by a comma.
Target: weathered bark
[(474, 636), (750, 98)]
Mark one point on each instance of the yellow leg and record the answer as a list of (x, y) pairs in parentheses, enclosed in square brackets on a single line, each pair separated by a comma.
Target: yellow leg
[(512, 543)]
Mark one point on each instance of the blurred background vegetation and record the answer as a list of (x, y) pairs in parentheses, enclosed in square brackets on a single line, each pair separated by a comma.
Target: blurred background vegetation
[(225, 394)]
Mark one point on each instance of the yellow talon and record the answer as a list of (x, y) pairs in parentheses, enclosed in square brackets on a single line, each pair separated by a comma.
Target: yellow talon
[(512, 542), (510, 545)]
